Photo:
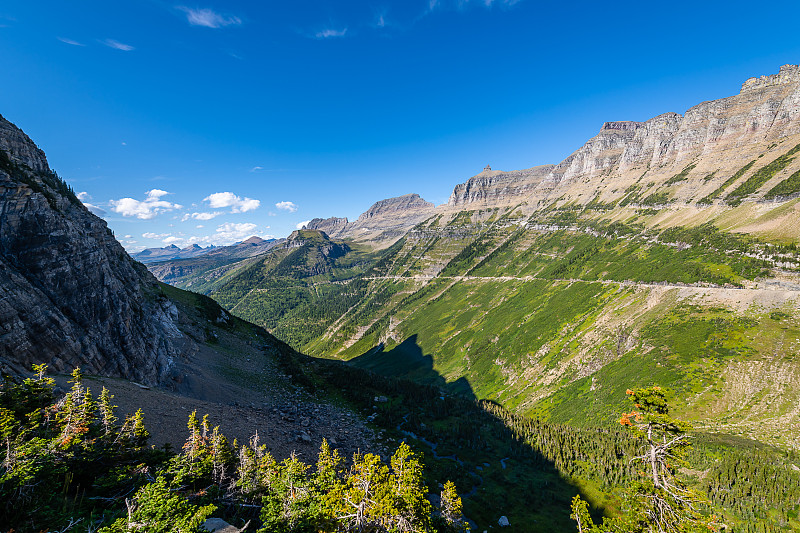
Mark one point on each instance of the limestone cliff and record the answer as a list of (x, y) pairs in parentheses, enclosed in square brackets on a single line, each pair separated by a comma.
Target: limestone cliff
[(333, 226), (719, 136), (402, 206), (69, 294), (494, 188)]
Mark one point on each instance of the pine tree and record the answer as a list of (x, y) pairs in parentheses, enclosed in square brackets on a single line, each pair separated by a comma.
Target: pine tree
[(450, 509), (411, 510), (108, 419), (659, 501), (329, 465)]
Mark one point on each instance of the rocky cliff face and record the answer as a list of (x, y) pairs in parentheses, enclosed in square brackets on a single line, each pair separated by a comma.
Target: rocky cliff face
[(383, 223), (333, 226), (71, 296), (495, 188), (715, 138), (399, 206), (715, 135)]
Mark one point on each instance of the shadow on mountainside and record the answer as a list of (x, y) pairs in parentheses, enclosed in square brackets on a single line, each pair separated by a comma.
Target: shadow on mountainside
[(502, 464), (406, 360)]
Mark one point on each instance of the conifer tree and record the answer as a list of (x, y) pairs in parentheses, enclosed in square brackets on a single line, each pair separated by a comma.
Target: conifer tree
[(450, 509), (411, 510), (108, 419), (658, 502)]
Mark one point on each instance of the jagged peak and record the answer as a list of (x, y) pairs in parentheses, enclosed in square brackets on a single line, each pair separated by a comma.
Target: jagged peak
[(404, 202), (20, 148), (622, 125), (787, 74)]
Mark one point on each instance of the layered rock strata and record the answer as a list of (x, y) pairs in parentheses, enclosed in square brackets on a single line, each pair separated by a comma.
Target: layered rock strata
[(69, 294)]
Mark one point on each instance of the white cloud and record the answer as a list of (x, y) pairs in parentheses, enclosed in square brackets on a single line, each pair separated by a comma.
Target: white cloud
[(200, 216), (151, 206), (208, 18), (150, 235), (330, 32), (256, 169), (228, 199), (302, 225), (230, 233), (111, 43), (84, 197), (70, 41), (129, 236), (97, 211), (287, 206), (172, 240)]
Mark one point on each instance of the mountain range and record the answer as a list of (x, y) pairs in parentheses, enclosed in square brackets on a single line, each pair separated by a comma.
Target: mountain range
[(545, 287), (150, 255), (501, 328)]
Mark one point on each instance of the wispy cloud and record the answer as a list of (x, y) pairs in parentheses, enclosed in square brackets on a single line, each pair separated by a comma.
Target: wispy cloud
[(70, 41), (145, 209), (111, 43), (329, 33), (434, 5), (208, 18), (303, 224), (287, 206)]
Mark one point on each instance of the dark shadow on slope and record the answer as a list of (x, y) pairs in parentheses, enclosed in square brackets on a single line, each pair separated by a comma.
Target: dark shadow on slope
[(502, 464), (406, 360)]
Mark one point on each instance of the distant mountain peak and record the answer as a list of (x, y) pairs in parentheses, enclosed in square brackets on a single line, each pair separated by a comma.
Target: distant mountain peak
[(253, 240), (390, 206), (308, 235)]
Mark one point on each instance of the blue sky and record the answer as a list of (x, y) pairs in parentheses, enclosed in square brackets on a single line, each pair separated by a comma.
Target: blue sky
[(209, 122)]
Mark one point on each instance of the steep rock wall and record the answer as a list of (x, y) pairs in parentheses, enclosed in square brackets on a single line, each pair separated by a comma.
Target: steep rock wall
[(69, 294)]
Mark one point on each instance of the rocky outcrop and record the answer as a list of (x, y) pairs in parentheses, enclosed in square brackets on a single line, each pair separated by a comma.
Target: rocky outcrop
[(786, 75), (69, 294), (600, 153), (402, 206), (388, 220), (383, 223), (333, 226), (494, 188)]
